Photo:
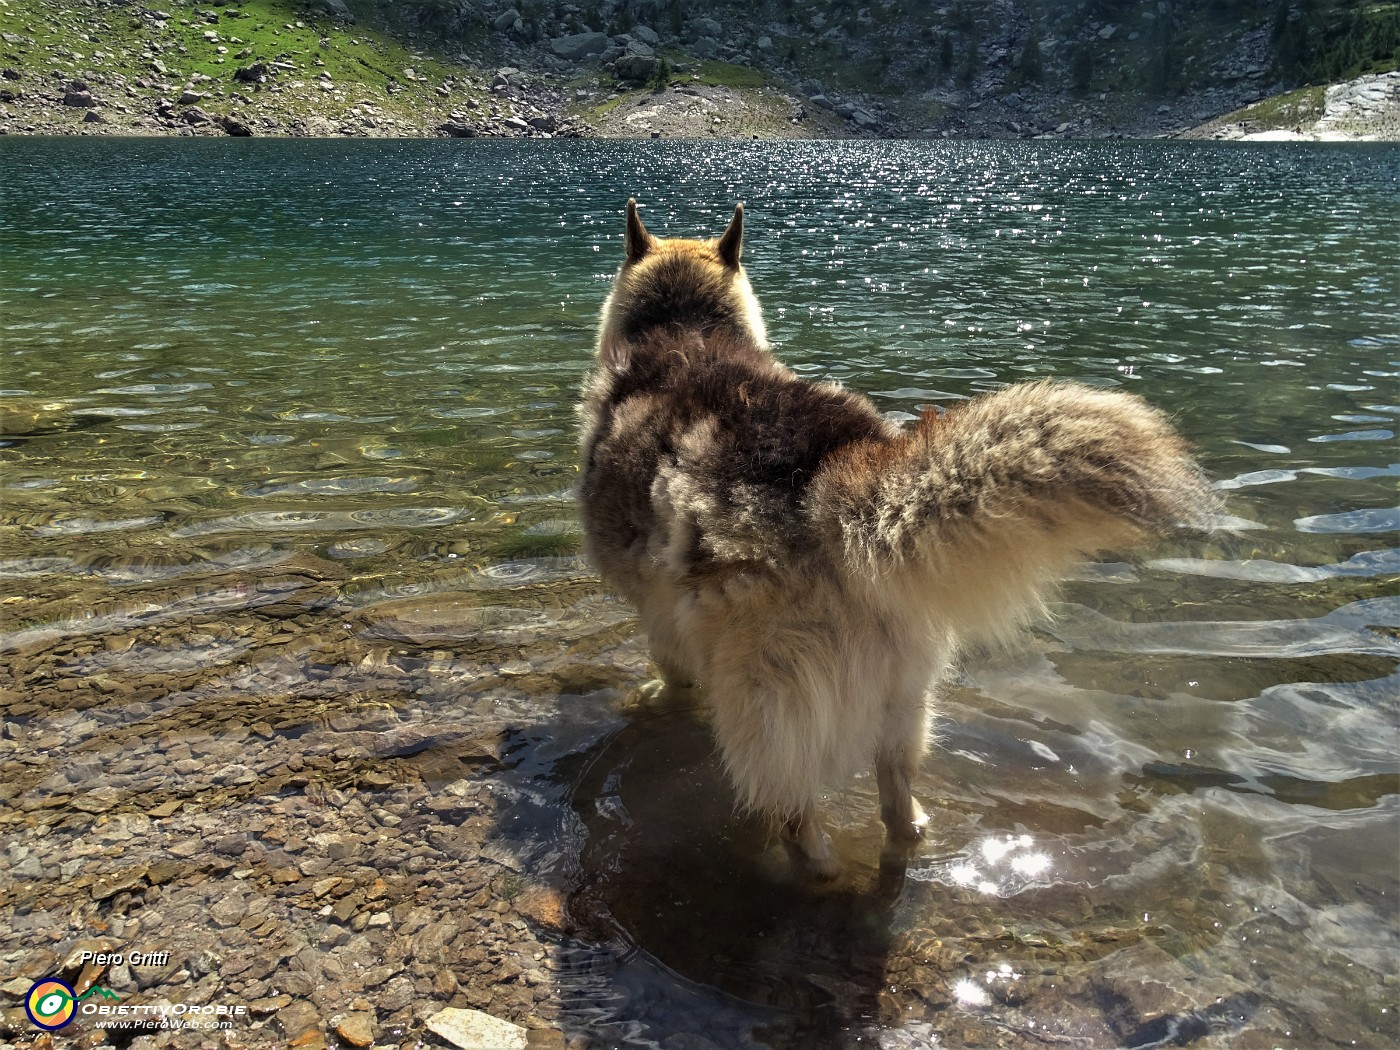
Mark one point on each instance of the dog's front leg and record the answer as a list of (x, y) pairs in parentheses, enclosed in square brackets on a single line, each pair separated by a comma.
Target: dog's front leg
[(805, 836)]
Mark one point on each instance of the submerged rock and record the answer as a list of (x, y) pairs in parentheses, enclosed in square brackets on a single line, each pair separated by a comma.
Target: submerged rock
[(474, 1030)]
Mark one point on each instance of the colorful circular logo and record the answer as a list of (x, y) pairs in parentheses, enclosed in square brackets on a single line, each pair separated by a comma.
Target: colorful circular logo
[(50, 1003)]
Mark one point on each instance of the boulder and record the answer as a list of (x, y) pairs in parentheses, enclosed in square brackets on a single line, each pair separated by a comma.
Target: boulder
[(704, 47), (646, 35), (195, 115), (865, 119), (81, 99), (703, 27), (636, 68), (455, 130), (257, 73), (577, 46), (235, 127), (336, 9), (508, 20)]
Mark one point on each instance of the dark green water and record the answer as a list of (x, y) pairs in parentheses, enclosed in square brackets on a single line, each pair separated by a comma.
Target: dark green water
[(226, 362)]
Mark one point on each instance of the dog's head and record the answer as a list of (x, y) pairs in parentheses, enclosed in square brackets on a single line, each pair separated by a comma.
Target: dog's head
[(678, 284)]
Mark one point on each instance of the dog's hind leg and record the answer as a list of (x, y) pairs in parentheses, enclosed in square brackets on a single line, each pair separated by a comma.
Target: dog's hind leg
[(902, 745)]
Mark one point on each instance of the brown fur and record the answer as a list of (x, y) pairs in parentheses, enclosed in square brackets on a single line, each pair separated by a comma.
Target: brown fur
[(809, 564)]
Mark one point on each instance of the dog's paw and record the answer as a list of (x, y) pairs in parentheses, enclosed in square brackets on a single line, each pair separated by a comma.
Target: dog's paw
[(659, 690), (909, 828), (653, 690), (822, 869)]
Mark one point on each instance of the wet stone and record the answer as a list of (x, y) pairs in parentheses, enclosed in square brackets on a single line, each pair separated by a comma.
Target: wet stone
[(357, 1029), (99, 800), (298, 1018)]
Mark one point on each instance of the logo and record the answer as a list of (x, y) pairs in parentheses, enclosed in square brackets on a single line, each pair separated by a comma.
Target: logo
[(52, 1003)]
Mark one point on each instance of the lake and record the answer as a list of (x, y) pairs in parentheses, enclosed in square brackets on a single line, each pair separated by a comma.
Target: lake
[(305, 681)]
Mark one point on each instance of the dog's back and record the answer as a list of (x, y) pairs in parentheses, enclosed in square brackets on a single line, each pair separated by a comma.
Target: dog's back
[(814, 567)]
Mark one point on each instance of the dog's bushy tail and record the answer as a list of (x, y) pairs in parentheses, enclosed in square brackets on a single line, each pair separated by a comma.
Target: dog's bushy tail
[(989, 503)]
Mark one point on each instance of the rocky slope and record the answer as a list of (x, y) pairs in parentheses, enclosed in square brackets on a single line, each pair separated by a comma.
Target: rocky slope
[(640, 68)]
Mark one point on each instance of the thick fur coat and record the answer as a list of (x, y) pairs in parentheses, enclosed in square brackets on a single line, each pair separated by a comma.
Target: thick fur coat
[(812, 566)]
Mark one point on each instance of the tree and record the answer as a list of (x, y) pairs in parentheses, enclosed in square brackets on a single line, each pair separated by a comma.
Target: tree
[(1030, 66), (1081, 68)]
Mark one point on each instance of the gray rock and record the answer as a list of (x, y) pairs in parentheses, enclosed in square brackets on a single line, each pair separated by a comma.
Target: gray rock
[(578, 46), (865, 119), (93, 117), (336, 9), (704, 47), (14, 74), (641, 50), (646, 35), (507, 20), (822, 101), (700, 27), (189, 98), (636, 68), (81, 99), (764, 43)]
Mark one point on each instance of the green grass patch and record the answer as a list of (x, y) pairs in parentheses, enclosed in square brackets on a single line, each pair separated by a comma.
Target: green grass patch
[(1283, 111), (363, 62), (726, 74)]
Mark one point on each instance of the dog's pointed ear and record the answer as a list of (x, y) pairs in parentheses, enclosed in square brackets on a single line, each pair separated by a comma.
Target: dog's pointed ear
[(732, 242), (639, 242)]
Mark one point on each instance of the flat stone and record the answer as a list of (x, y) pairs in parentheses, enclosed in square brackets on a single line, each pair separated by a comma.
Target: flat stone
[(357, 1029), (298, 1018), (97, 801), (474, 1030)]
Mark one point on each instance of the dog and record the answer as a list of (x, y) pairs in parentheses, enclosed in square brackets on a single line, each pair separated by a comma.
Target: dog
[(811, 566)]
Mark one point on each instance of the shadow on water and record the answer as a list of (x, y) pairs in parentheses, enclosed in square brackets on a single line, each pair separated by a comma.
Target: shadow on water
[(689, 917)]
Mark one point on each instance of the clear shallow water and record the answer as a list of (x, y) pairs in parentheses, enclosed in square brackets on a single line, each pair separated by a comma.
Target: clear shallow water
[(281, 412)]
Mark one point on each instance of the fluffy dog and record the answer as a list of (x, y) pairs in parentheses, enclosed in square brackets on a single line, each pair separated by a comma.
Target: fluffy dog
[(814, 567)]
